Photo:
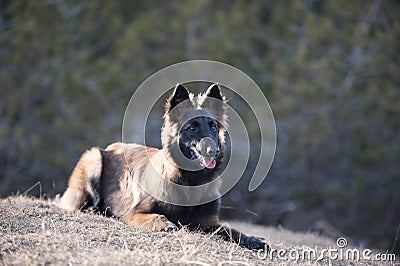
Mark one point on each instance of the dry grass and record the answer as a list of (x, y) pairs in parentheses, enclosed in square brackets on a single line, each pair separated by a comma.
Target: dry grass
[(37, 232)]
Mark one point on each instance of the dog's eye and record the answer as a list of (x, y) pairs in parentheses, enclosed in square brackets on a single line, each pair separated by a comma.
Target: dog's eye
[(193, 127), (213, 128)]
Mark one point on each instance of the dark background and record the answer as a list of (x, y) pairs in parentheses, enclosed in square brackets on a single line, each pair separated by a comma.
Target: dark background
[(330, 70)]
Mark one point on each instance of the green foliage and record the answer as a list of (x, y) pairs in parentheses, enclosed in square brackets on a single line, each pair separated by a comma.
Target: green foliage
[(329, 69)]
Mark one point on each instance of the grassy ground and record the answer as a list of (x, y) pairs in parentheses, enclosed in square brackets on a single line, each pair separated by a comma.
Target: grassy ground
[(36, 232)]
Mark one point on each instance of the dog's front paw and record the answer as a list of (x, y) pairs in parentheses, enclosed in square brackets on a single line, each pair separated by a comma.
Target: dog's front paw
[(170, 227), (161, 223), (254, 243)]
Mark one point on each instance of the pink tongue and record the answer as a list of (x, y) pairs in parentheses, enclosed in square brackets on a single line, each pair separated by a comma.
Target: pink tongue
[(209, 162)]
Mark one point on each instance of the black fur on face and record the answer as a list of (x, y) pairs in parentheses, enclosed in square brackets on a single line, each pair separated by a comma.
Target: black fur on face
[(199, 141), (193, 134)]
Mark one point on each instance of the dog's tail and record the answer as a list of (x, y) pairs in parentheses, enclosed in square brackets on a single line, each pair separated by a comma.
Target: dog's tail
[(84, 182)]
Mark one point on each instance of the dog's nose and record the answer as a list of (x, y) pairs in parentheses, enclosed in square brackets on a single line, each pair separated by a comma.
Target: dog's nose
[(211, 151), (208, 147)]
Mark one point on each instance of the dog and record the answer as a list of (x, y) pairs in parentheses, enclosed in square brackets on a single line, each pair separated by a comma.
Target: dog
[(118, 178)]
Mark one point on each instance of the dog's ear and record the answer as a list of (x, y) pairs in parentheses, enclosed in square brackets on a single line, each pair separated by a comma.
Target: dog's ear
[(213, 100), (179, 95), (214, 92), (216, 103)]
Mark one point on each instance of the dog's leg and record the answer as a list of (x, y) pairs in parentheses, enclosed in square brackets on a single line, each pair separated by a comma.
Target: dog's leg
[(233, 235), (150, 221), (212, 225), (84, 182)]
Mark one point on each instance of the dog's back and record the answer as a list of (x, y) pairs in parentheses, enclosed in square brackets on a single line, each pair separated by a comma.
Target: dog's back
[(80, 191), (105, 178)]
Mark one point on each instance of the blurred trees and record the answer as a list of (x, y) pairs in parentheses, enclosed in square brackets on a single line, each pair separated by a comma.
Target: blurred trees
[(330, 70)]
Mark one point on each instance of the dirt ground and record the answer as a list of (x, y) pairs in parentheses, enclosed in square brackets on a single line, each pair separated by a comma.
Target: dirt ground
[(37, 232)]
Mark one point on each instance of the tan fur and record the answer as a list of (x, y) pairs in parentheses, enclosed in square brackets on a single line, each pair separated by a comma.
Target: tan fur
[(79, 191), (125, 165)]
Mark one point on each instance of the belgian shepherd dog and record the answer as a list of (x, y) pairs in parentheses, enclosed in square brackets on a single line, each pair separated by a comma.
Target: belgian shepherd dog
[(111, 179)]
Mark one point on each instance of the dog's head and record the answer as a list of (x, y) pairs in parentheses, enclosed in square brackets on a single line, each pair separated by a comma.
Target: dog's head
[(194, 128)]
